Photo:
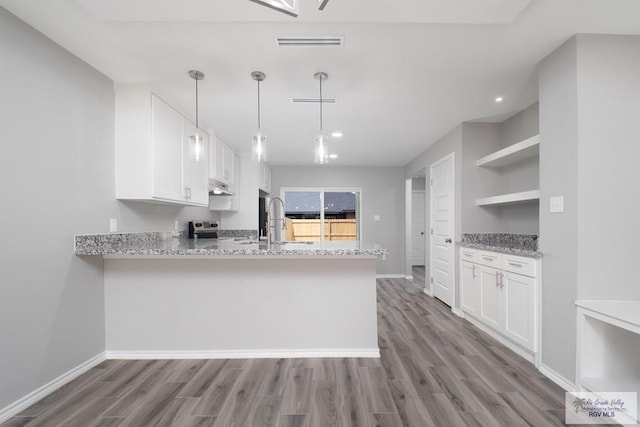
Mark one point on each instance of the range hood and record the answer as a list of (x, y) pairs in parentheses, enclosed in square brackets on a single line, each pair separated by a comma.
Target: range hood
[(217, 188)]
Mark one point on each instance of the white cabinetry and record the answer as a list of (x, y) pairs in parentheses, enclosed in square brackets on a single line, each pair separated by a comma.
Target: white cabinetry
[(265, 177), (469, 288), (152, 156), (221, 161), (500, 292)]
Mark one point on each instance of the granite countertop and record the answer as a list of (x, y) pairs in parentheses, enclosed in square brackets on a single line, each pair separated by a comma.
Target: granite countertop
[(175, 244), (525, 245)]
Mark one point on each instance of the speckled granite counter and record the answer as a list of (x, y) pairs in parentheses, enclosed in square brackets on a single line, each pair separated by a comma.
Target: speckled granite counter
[(160, 244), (515, 244)]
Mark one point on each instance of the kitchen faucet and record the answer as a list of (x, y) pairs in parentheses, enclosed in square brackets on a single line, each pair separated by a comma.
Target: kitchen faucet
[(270, 226)]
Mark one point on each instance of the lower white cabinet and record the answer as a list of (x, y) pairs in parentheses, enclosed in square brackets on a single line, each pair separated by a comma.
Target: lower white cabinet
[(491, 302), (496, 296)]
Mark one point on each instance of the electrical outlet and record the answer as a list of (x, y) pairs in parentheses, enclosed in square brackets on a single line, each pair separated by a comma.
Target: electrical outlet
[(384, 257), (376, 217), (113, 225), (176, 225)]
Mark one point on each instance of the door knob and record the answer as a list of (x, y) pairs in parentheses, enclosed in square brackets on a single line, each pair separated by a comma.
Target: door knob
[(422, 233), (447, 240)]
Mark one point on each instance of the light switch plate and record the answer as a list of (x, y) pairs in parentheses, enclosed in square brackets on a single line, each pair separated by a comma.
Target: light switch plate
[(376, 217), (556, 204), (113, 225)]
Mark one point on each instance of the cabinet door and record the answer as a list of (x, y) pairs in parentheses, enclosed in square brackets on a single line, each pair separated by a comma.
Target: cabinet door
[(490, 297), (228, 159), (167, 127), (469, 288), (519, 313), (195, 171)]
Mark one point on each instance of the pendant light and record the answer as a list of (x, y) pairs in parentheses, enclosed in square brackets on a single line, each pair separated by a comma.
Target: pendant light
[(321, 156), (258, 141), (196, 147)]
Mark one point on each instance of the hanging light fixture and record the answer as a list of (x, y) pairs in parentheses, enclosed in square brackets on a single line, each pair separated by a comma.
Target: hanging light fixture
[(321, 156), (259, 141), (197, 140)]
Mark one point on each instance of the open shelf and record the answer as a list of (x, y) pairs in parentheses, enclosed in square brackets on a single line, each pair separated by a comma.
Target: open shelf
[(514, 153), (510, 199)]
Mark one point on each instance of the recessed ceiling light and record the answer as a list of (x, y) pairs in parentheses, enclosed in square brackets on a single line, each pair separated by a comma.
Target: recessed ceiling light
[(499, 99), (336, 134), (333, 156)]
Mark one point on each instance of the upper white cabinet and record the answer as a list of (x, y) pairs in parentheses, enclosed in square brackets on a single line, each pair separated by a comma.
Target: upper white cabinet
[(153, 153), (265, 177), (221, 161)]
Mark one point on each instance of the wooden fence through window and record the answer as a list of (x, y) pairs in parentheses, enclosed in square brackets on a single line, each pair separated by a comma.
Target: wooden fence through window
[(309, 229)]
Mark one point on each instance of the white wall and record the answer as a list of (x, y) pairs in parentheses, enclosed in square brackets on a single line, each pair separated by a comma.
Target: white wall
[(56, 180), (589, 110), (382, 194), (559, 232), (608, 172)]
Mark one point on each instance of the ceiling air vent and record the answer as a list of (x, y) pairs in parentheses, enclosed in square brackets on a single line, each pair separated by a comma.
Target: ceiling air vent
[(336, 41), (317, 100)]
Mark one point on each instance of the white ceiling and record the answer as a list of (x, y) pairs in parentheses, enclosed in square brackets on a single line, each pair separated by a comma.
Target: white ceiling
[(406, 75)]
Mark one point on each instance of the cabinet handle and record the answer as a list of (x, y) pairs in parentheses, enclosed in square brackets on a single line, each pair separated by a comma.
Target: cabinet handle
[(487, 258), (467, 254), (474, 271), (515, 264), (501, 280)]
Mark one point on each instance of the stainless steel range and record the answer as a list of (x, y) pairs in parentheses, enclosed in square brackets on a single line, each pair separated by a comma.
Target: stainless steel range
[(203, 229)]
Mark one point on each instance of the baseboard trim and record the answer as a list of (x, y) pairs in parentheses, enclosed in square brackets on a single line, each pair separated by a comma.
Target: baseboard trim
[(556, 378), (457, 312), (390, 276), (428, 292), (31, 398), (245, 354), (408, 277)]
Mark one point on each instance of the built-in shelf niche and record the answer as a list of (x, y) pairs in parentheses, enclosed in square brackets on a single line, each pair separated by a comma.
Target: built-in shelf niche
[(608, 346), (530, 147), (510, 199), (522, 150)]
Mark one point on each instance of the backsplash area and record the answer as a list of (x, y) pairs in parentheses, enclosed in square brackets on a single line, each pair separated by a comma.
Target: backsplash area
[(528, 242)]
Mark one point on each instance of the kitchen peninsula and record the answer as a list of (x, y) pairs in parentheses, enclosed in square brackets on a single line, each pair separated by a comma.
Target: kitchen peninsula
[(170, 297)]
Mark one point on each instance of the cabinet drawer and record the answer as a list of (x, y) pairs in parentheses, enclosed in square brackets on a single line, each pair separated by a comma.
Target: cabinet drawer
[(470, 255), (490, 259), (519, 265)]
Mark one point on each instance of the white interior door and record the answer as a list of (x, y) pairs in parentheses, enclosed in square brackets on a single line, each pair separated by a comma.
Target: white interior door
[(417, 227), (442, 209)]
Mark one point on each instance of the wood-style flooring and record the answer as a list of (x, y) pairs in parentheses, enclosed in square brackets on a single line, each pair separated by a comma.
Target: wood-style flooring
[(436, 370)]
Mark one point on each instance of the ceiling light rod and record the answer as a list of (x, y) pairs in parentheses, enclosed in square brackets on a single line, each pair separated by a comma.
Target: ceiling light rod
[(320, 149), (320, 76), (258, 142), (197, 139), (322, 4)]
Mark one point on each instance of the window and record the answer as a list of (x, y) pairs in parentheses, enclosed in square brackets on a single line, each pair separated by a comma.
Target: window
[(329, 215)]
